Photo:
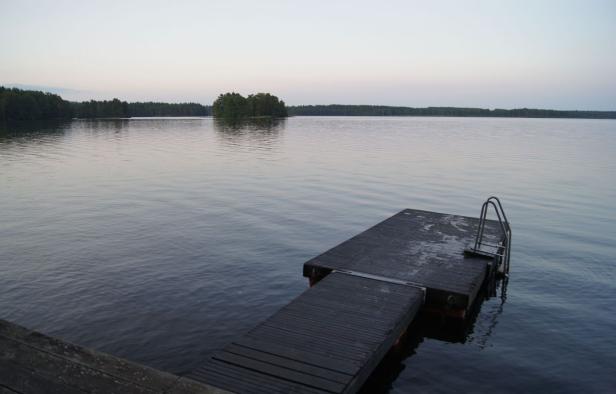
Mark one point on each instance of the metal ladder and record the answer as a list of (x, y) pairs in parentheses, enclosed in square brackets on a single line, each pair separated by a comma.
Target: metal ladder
[(502, 249)]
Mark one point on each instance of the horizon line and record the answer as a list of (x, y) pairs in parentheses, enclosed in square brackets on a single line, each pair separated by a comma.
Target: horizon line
[(59, 90)]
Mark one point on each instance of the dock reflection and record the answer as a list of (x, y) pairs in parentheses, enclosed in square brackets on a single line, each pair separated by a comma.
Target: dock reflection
[(476, 328)]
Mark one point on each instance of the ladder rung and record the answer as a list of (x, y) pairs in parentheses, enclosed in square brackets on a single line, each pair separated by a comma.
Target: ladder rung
[(479, 251), (490, 253), (491, 245)]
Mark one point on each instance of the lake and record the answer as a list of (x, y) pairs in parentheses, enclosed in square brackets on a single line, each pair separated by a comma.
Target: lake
[(161, 240)]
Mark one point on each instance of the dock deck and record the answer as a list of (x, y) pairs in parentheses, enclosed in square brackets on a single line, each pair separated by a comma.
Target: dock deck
[(419, 247), (366, 292), (327, 340)]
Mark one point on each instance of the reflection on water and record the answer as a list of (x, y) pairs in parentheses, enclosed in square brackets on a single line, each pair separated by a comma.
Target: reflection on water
[(162, 240), (31, 130), (103, 125), (477, 328), (258, 133), (242, 126)]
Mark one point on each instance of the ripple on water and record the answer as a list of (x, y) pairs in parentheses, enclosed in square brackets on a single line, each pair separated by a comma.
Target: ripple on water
[(161, 240)]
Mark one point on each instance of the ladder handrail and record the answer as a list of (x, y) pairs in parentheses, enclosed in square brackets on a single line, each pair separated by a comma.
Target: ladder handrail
[(502, 210), (505, 227), (483, 217)]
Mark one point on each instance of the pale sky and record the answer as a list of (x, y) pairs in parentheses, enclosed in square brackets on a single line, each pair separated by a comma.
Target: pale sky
[(506, 54)]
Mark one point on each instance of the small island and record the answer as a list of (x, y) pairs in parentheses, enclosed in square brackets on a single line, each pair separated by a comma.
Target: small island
[(261, 105)]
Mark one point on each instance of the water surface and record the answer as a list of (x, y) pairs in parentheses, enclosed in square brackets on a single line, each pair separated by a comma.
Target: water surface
[(161, 240)]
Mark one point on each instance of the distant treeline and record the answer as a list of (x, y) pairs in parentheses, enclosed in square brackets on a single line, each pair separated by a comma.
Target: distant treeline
[(101, 109), (236, 106), (382, 110), (166, 109), (122, 109), (17, 104)]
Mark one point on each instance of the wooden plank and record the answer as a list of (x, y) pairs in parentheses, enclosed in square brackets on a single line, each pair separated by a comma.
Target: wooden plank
[(243, 380), (320, 314), (356, 314), (345, 347), (350, 305), (309, 357), (325, 345), (301, 366), (331, 349), (353, 313), (280, 372), (352, 298), (357, 328), (324, 330), (185, 385), (326, 339), (242, 383)]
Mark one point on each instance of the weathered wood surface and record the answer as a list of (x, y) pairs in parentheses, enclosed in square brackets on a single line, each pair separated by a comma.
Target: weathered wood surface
[(31, 362), (424, 248), (329, 339)]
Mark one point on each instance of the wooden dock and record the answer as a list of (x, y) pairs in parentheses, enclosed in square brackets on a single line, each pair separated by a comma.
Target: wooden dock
[(329, 339), (364, 294), (420, 247)]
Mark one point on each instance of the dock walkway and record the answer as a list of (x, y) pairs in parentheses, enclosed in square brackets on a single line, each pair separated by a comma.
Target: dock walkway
[(366, 291), (327, 340)]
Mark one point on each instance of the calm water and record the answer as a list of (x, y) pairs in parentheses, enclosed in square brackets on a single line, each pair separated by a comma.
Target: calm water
[(160, 240)]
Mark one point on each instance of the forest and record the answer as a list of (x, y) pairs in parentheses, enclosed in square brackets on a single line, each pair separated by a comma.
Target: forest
[(101, 109), (235, 106), (382, 110), (17, 104), (122, 109), (168, 109)]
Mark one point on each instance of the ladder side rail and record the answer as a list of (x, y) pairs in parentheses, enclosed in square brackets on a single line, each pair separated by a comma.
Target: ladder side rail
[(500, 221), (482, 218), (502, 210), (507, 236), (506, 233)]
